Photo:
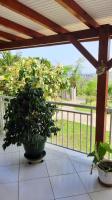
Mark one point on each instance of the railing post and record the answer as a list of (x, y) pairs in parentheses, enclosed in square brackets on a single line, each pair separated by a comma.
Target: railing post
[(110, 134), (91, 126), (2, 111), (110, 130)]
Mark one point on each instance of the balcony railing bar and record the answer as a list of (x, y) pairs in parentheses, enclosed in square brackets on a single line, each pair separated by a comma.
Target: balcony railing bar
[(77, 126)]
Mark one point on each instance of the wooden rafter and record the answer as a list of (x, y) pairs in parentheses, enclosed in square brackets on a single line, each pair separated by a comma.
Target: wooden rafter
[(51, 40), (32, 15), (109, 64), (78, 12), (84, 52), (1, 41), (17, 27), (10, 36)]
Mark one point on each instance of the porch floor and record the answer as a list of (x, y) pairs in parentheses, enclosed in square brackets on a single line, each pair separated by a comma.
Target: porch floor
[(63, 175)]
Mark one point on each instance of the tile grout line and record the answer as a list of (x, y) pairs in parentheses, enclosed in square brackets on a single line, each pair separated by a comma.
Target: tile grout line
[(18, 174), (75, 171), (80, 180), (78, 173), (62, 175), (79, 177), (80, 195), (90, 197), (49, 180), (88, 193)]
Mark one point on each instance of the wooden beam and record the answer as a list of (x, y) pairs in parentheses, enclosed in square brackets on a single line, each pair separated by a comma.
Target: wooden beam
[(110, 30), (102, 86), (78, 12), (32, 15), (109, 64), (10, 36), (1, 41), (31, 46), (51, 40), (84, 52), (17, 27)]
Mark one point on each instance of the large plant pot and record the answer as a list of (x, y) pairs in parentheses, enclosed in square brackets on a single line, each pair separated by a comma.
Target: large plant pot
[(35, 152), (104, 176)]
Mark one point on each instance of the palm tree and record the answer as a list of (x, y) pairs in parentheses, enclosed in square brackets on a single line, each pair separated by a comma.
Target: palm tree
[(8, 59)]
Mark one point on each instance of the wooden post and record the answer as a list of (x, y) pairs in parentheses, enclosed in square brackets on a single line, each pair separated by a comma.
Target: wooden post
[(102, 84)]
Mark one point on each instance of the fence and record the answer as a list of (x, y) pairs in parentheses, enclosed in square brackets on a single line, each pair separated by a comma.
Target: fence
[(76, 123), (76, 127), (4, 100), (68, 95)]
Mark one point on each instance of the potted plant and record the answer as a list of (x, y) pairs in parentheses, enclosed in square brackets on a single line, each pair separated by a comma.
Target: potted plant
[(28, 121), (104, 166)]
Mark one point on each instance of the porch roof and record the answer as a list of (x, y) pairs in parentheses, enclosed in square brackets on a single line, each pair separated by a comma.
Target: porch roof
[(32, 23)]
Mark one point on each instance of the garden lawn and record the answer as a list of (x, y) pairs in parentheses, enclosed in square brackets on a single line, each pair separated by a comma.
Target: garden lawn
[(75, 136)]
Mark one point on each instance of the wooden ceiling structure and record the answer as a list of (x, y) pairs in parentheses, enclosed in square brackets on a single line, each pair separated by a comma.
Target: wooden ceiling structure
[(38, 23)]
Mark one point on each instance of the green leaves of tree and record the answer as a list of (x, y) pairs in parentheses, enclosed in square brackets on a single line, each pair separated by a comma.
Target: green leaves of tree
[(40, 71)]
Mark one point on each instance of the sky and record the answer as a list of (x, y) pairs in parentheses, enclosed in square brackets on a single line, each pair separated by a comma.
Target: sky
[(64, 54)]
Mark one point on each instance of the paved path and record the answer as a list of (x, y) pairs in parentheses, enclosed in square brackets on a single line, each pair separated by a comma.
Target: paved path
[(80, 117)]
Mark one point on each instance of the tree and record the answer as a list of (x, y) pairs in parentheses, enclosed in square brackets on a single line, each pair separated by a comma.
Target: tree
[(90, 90), (39, 71), (7, 72), (110, 89), (76, 73), (44, 75), (73, 72), (8, 59)]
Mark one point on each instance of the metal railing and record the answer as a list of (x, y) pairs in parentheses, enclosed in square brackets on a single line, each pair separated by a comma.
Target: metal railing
[(76, 127), (4, 100), (76, 123)]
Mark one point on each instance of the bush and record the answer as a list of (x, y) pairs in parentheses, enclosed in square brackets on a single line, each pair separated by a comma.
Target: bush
[(28, 114)]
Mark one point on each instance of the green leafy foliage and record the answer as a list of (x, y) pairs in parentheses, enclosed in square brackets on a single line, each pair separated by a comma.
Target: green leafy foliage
[(28, 115), (73, 72), (8, 59), (110, 89), (90, 89), (100, 151), (43, 74)]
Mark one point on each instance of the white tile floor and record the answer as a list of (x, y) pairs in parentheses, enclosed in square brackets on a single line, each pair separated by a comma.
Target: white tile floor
[(64, 175)]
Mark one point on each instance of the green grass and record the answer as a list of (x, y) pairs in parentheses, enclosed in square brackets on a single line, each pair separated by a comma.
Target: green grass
[(69, 136), (88, 110)]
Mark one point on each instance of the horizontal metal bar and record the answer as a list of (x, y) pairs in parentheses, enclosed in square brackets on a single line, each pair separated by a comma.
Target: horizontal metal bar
[(70, 111), (72, 105), (69, 148), (109, 110), (6, 97)]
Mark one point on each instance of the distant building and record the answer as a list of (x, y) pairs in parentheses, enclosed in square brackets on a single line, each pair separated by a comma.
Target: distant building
[(88, 76)]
